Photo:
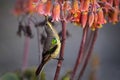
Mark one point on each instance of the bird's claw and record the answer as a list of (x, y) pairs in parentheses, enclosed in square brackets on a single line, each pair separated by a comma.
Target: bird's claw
[(62, 40)]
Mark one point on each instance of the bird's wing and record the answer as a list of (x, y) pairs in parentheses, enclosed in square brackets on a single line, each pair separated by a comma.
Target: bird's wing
[(50, 51)]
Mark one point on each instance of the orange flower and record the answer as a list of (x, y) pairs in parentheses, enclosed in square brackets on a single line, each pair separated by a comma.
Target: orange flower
[(66, 5), (18, 8), (116, 3), (94, 25), (48, 6), (95, 18), (110, 2), (85, 5), (66, 10), (101, 19), (56, 12), (90, 18), (84, 17), (40, 8), (30, 6), (75, 12), (113, 15), (76, 18), (75, 7), (104, 0), (35, 1)]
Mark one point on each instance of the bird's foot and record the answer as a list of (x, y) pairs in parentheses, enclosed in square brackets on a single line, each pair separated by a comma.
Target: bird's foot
[(61, 40)]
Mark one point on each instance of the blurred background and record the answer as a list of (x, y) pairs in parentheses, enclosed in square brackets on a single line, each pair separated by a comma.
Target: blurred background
[(107, 47)]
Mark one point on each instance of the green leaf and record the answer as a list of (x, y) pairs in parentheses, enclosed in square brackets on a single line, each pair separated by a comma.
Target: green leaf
[(66, 76), (42, 76), (9, 76)]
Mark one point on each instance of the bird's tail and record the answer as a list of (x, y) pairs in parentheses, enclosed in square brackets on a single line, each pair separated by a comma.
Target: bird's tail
[(39, 69)]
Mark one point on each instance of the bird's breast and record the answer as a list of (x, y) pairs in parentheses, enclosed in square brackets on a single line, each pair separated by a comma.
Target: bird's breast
[(55, 54)]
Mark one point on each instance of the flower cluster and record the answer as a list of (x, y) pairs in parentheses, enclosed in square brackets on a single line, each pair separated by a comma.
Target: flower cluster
[(92, 13)]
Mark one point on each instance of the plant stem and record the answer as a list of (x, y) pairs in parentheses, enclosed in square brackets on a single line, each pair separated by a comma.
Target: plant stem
[(39, 47), (25, 54), (81, 50), (89, 54), (59, 64)]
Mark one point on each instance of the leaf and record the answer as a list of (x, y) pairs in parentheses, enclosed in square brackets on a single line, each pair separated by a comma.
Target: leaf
[(9, 76), (42, 76), (66, 76)]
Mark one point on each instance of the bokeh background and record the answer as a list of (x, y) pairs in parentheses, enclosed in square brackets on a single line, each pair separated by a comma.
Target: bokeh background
[(11, 48)]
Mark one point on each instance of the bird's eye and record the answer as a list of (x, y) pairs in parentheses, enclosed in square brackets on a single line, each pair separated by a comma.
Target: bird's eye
[(54, 41)]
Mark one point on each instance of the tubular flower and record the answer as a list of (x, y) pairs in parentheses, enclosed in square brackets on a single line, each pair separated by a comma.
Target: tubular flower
[(56, 12), (94, 25), (83, 19), (116, 3), (104, 0), (18, 8), (48, 6), (75, 7), (44, 1), (75, 12), (85, 5), (110, 2), (35, 1), (31, 6), (92, 13), (66, 5), (113, 15), (76, 18), (40, 8), (90, 18), (101, 19)]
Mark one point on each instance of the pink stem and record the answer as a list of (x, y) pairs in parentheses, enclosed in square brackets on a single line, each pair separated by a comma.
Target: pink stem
[(26, 51), (59, 64), (88, 55), (39, 48)]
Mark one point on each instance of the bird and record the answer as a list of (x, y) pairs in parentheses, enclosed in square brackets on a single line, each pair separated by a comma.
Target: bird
[(51, 47)]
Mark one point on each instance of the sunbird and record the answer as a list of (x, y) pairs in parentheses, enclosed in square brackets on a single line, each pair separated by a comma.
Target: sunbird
[(51, 47)]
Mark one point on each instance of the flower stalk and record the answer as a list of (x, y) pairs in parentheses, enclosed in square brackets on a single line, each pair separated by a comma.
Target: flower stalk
[(25, 53), (95, 33), (80, 54), (59, 64)]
